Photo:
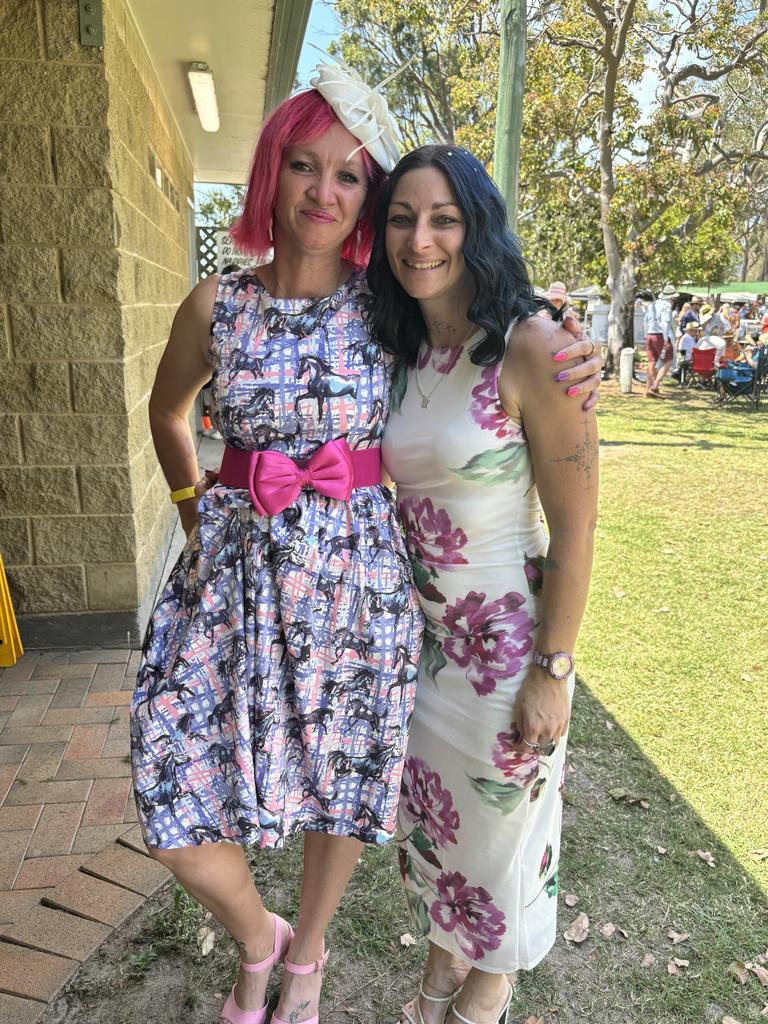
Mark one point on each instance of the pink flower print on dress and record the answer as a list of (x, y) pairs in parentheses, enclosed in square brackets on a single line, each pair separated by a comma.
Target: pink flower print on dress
[(443, 359), (489, 640), (486, 409), (431, 536), (521, 768), (425, 802), (469, 911)]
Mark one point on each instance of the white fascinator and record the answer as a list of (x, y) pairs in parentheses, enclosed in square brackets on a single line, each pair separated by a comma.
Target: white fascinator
[(362, 109)]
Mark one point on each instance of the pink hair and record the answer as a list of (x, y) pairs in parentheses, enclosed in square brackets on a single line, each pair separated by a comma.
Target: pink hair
[(299, 119)]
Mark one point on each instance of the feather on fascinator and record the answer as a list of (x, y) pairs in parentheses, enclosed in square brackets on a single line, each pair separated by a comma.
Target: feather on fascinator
[(362, 109)]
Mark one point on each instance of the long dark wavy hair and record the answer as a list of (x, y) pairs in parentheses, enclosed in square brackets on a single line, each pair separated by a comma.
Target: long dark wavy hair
[(503, 290)]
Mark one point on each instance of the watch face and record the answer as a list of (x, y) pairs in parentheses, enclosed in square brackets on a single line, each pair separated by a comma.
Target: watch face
[(560, 666)]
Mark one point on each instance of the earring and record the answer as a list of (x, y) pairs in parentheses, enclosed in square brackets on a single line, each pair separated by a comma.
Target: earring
[(271, 229), (358, 242)]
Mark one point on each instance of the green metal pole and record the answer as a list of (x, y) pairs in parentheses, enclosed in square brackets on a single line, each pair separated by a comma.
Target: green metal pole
[(509, 108)]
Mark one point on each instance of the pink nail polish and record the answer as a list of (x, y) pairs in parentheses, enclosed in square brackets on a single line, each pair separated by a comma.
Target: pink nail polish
[(571, 392), (560, 357), (563, 375)]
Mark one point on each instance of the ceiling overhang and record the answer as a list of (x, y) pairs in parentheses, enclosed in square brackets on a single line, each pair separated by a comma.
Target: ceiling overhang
[(252, 47)]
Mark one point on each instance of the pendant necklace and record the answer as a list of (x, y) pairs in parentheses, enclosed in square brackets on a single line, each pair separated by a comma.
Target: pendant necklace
[(426, 398)]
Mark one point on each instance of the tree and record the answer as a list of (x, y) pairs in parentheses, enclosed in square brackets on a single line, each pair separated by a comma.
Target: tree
[(219, 206), (670, 187)]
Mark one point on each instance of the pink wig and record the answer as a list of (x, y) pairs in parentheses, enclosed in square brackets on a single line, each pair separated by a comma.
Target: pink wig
[(299, 119)]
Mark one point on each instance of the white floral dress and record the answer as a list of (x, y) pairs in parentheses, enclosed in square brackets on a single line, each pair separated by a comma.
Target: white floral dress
[(479, 824)]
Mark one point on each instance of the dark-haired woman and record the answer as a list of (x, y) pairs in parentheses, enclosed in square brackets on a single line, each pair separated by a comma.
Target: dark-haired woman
[(479, 445)]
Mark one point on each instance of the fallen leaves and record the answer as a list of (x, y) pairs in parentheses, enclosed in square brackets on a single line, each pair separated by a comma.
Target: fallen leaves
[(730, 1020), (609, 725), (739, 971), (571, 899), (704, 855), (608, 930), (758, 854), (618, 593), (207, 939), (677, 937), (623, 796), (760, 973), (535, 1020), (406, 939), (675, 964), (648, 960), (661, 849), (578, 931)]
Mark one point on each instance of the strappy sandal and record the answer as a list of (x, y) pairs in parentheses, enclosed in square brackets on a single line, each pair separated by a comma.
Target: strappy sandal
[(312, 968), (419, 1018), (231, 1012), (501, 1019)]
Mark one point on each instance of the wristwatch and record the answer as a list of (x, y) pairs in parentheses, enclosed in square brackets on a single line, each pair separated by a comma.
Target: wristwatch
[(558, 665)]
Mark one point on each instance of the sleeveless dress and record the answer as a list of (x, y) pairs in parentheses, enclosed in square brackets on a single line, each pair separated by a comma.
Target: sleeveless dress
[(279, 664), (479, 824)]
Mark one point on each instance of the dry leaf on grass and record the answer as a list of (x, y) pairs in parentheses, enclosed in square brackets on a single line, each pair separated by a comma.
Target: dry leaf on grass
[(672, 798), (608, 930), (674, 965), (571, 899), (663, 610), (759, 972), (661, 849), (535, 1020), (578, 930), (704, 855), (764, 1011), (618, 592), (730, 1020), (406, 939), (207, 938), (745, 678), (623, 796), (609, 725), (677, 937), (739, 971), (758, 854), (648, 960)]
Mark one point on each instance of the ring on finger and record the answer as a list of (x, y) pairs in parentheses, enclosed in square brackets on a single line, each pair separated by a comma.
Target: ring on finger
[(592, 350)]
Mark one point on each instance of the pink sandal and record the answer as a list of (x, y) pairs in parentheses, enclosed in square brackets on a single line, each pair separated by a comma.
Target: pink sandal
[(291, 968), (231, 1012)]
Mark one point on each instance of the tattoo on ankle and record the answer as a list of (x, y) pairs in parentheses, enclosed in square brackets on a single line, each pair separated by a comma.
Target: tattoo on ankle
[(294, 1015)]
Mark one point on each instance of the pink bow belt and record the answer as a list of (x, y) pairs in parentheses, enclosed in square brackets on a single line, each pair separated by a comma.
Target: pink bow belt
[(275, 481)]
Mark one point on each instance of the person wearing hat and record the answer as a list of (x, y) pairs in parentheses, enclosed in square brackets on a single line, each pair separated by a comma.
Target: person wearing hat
[(685, 347), (691, 314), (557, 294), (659, 339), (713, 322)]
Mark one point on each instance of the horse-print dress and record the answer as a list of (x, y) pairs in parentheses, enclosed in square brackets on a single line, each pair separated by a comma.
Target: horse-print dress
[(279, 665)]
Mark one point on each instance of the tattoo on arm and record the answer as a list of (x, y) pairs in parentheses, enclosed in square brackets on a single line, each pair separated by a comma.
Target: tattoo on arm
[(585, 456)]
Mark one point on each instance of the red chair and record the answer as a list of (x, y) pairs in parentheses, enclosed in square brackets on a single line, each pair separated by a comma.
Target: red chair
[(701, 370)]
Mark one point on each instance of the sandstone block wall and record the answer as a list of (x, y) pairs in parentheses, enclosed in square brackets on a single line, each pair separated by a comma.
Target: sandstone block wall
[(94, 241)]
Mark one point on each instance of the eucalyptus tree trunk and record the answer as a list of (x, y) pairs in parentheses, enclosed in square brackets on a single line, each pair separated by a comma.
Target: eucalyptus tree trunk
[(509, 108)]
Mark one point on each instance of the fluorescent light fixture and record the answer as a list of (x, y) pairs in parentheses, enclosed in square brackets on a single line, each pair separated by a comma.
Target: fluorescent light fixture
[(204, 94)]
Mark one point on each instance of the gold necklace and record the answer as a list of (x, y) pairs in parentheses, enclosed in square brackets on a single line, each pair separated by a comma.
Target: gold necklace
[(427, 398)]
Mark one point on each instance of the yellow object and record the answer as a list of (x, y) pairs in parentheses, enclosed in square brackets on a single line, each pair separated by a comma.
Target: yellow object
[(10, 641), (182, 494)]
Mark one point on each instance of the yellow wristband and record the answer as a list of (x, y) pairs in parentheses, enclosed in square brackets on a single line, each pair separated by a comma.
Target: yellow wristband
[(182, 494)]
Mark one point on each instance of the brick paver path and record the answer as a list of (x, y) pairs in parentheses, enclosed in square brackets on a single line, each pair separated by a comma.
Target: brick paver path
[(72, 861)]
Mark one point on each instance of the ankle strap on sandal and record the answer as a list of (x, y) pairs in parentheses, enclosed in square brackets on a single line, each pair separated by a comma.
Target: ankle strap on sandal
[(438, 999), (313, 968)]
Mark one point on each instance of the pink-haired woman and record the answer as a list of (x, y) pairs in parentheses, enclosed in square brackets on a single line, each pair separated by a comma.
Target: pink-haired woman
[(278, 669)]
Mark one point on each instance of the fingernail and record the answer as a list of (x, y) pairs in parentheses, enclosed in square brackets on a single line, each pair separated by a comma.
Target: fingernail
[(563, 375), (560, 357), (571, 392)]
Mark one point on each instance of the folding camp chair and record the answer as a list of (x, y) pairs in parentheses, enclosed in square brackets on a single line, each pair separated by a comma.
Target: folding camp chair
[(750, 387), (700, 372)]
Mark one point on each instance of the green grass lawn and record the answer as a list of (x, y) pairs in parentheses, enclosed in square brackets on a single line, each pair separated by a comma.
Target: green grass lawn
[(672, 707), (684, 527)]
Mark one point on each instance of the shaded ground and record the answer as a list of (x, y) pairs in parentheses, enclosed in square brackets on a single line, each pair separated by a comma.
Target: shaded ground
[(673, 709)]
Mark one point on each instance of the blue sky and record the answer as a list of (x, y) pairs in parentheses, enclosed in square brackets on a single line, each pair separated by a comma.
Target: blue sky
[(323, 26)]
